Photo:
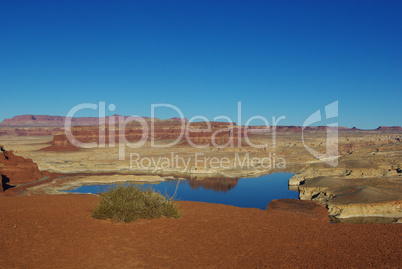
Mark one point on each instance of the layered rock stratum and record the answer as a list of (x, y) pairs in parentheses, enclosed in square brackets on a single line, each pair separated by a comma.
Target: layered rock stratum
[(16, 170)]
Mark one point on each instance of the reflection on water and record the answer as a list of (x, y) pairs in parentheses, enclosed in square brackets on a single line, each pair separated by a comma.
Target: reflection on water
[(216, 184), (243, 192)]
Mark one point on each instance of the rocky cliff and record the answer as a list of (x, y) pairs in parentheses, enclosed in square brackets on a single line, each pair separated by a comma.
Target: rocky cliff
[(15, 170)]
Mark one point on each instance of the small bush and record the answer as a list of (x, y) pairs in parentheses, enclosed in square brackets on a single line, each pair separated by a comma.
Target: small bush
[(128, 203)]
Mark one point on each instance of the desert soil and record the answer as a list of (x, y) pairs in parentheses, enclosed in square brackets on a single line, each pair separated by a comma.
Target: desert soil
[(57, 231)]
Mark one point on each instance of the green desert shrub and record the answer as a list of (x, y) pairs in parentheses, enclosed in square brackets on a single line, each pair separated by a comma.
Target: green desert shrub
[(128, 202)]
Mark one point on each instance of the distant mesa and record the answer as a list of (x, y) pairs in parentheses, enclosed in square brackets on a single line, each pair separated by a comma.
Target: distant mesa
[(58, 121), (50, 125), (47, 121), (389, 128)]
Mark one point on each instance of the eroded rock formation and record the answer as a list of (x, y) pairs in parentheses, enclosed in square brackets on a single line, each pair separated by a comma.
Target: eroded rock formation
[(15, 170), (366, 183)]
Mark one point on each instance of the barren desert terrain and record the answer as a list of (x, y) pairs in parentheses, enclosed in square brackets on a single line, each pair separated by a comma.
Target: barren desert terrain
[(42, 228)]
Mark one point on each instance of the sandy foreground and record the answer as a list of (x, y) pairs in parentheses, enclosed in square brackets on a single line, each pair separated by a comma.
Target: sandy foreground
[(57, 231)]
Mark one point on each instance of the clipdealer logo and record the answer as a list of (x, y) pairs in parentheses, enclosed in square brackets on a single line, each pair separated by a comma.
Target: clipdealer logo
[(148, 133)]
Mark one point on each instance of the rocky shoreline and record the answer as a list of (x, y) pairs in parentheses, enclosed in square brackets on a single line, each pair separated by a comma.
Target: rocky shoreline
[(363, 185)]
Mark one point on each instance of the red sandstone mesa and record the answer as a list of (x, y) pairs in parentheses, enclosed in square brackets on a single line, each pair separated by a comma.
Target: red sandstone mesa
[(389, 128)]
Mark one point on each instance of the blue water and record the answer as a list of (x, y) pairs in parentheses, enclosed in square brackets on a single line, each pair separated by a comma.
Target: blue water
[(243, 192)]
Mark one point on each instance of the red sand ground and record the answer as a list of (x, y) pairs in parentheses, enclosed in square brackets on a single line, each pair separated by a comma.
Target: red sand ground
[(58, 232)]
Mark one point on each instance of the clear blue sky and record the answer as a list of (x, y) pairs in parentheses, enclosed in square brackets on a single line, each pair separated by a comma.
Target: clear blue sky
[(276, 57)]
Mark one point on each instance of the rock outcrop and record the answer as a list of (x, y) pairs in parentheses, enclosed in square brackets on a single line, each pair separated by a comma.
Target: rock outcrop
[(364, 184), (15, 170)]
